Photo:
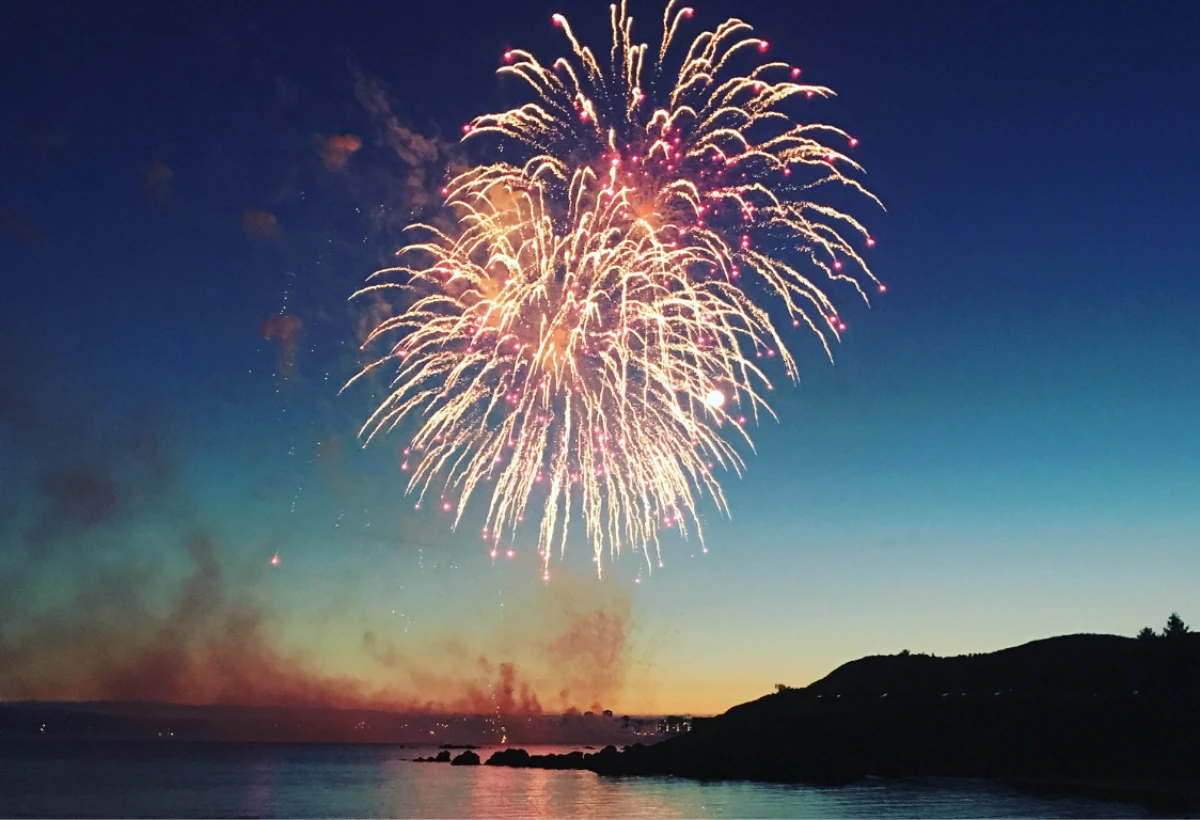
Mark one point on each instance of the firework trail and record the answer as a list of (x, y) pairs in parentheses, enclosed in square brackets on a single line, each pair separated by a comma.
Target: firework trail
[(586, 337)]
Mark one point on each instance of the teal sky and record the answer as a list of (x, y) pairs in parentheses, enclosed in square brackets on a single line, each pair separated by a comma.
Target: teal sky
[(1006, 447)]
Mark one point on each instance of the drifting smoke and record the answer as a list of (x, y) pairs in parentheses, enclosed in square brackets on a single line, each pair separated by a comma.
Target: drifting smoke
[(579, 660), (108, 643), (261, 225), (591, 654), (336, 150), (283, 329), (116, 588), (77, 498), (427, 160)]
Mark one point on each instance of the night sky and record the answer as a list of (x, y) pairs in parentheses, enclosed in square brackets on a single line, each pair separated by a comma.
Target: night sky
[(1005, 448)]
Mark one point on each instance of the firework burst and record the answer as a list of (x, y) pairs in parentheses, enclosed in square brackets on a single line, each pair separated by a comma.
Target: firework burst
[(703, 152), (586, 337), (567, 362)]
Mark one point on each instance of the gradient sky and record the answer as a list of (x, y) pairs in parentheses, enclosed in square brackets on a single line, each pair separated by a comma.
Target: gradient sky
[(1006, 448)]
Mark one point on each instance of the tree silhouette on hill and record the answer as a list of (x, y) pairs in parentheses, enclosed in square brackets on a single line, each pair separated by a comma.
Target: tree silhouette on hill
[(1175, 627)]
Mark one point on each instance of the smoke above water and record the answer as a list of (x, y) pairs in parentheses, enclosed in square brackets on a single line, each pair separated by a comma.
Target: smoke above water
[(116, 587)]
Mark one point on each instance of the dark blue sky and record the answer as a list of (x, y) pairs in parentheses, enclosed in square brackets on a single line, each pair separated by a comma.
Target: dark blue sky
[(1007, 446)]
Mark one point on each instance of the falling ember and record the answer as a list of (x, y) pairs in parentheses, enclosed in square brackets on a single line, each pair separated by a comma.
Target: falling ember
[(275, 560), (618, 229)]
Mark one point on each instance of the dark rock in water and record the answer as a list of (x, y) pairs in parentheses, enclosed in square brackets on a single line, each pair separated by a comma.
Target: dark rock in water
[(571, 760), (521, 759), (464, 759), (514, 758), (442, 757), (458, 746)]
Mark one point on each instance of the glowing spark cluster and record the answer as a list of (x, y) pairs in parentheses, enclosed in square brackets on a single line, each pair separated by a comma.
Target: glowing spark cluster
[(583, 365), (705, 155), (585, 337)]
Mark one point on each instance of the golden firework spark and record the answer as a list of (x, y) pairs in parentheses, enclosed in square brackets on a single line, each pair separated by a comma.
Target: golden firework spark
[(569, 362), (704, 154), (585, 338)]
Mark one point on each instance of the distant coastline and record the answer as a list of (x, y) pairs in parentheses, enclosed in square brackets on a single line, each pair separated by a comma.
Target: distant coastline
[(135, 721)]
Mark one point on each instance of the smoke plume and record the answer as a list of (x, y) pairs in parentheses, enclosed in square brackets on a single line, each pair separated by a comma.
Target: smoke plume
[(116, 588)]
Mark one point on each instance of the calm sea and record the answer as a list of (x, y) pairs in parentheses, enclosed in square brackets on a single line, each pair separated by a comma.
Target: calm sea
[(102, 779)]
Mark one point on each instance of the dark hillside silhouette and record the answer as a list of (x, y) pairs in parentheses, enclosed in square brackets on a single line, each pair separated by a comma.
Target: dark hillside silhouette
[(1104, 710), (1071, 664)]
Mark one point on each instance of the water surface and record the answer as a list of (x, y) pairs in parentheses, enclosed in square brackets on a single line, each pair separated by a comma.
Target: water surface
[(111, 779)]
